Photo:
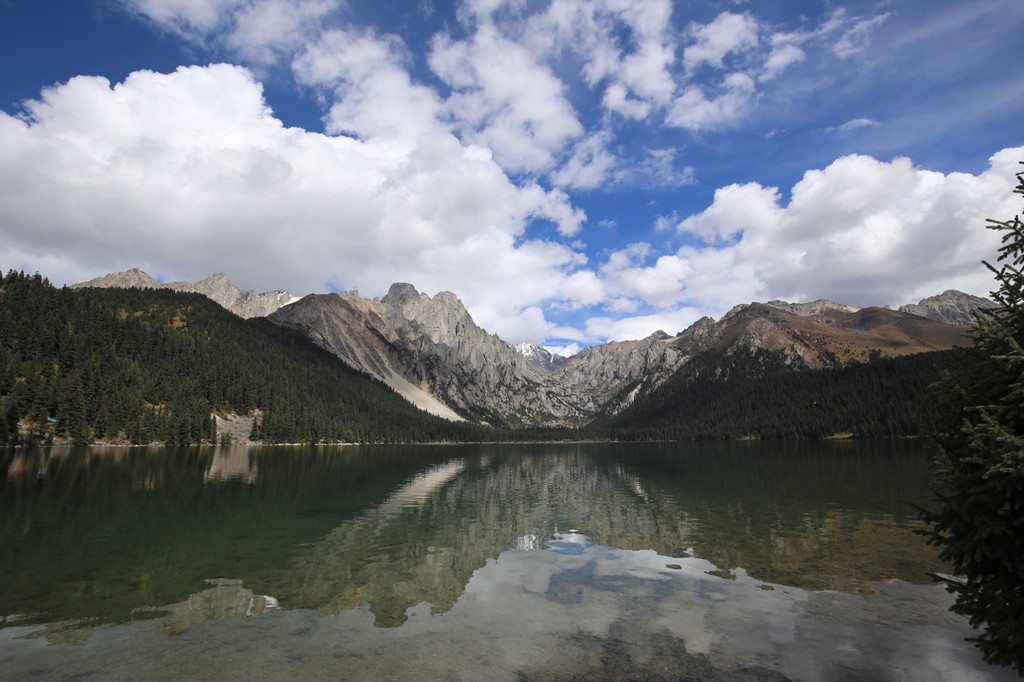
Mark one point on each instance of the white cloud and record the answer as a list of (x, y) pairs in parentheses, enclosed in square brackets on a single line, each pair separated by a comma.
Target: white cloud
[(863, 231), (528, 326), (583, 288), (189, 173), (642, 326), (265, 30), (637, 66), (259, 31), (736, 209), (590, 163), (566, 350), (186, 17), (852, 125), (856, 38), (372, 93), (694, 111), (505, 99), (616, 97), (781, 57), (728, 33), (660, 284), (658, 169)]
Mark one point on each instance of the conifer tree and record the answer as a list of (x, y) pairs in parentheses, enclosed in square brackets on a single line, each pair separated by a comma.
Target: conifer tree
[(980, 472)]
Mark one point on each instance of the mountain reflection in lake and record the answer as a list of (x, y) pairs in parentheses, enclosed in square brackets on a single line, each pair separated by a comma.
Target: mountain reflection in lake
[(709, 561)]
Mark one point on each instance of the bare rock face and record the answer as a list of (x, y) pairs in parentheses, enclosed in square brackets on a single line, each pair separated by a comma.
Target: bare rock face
[(430, 350), (541, 359), (430, 346), (243, 303), (951, 306), (813, 308), (216, 287), (702, 334), (596, 375), (129, 279)]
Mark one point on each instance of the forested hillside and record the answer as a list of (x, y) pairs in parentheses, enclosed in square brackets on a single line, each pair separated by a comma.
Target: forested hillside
[(152, 365), (756, 395)]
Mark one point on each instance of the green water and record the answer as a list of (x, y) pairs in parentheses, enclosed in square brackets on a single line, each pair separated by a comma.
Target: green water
[(708, 561)]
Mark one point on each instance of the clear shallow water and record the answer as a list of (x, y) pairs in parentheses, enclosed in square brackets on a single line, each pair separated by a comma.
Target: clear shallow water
[(708, 561)]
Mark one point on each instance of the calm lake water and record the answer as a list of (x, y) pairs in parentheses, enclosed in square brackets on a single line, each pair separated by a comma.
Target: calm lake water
[(740, 561)]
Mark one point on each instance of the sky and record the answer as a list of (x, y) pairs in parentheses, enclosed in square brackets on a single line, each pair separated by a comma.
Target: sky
[(574, 171)]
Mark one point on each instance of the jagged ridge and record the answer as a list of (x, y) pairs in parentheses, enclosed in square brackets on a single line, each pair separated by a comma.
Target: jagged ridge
[(217, 287), (430, 350)]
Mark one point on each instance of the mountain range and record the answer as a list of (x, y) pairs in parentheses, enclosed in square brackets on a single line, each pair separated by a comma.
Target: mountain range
[(218, 287), (429, 349)]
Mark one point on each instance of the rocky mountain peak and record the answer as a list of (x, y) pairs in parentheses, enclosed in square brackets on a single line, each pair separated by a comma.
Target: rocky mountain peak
[(541, 359), (703, 333), (951, 307), (401, 293), (216, 287), (216, 279), (813, 307), (129, 279), (431, 351)]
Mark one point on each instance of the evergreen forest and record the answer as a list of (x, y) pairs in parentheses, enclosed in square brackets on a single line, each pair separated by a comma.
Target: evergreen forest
[(756, 395), (153, 365)]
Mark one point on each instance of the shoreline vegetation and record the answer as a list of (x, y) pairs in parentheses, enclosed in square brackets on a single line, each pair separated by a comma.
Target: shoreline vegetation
[(118, 367)]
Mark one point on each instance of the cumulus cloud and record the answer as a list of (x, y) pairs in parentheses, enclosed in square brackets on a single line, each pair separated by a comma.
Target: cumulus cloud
[(781, 57), (694, 111), (641, 326), (189, 173), (260, 31), (629, 45), (590, 164), (728, 33), (372, 93), (506, 100), (864, 231), (860, 231)]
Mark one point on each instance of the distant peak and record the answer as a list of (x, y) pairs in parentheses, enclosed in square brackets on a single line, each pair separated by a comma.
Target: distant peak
[(399, 293), (126, 279), (822, 305), (951, 306), (218, 278)]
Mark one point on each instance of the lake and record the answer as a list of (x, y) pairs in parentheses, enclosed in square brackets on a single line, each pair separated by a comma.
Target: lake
[(710, 561)]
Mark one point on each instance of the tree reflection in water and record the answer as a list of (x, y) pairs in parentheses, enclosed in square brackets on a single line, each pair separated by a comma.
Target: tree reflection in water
[(549, 561)]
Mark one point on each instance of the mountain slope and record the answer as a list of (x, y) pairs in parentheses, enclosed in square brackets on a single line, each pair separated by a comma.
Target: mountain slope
[(216, 287), (954, 307), (430, 350), (144, 365), (756, 396)]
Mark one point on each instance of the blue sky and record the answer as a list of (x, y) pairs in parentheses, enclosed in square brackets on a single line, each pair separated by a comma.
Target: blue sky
[(574, 171)]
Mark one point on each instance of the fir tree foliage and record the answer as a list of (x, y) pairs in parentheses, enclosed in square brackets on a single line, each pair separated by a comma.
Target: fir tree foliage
[(979, 523), (757, 395), (151, 365)]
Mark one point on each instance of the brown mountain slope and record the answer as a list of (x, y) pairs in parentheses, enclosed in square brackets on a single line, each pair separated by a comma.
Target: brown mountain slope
[(430, 350), (825, 339)]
